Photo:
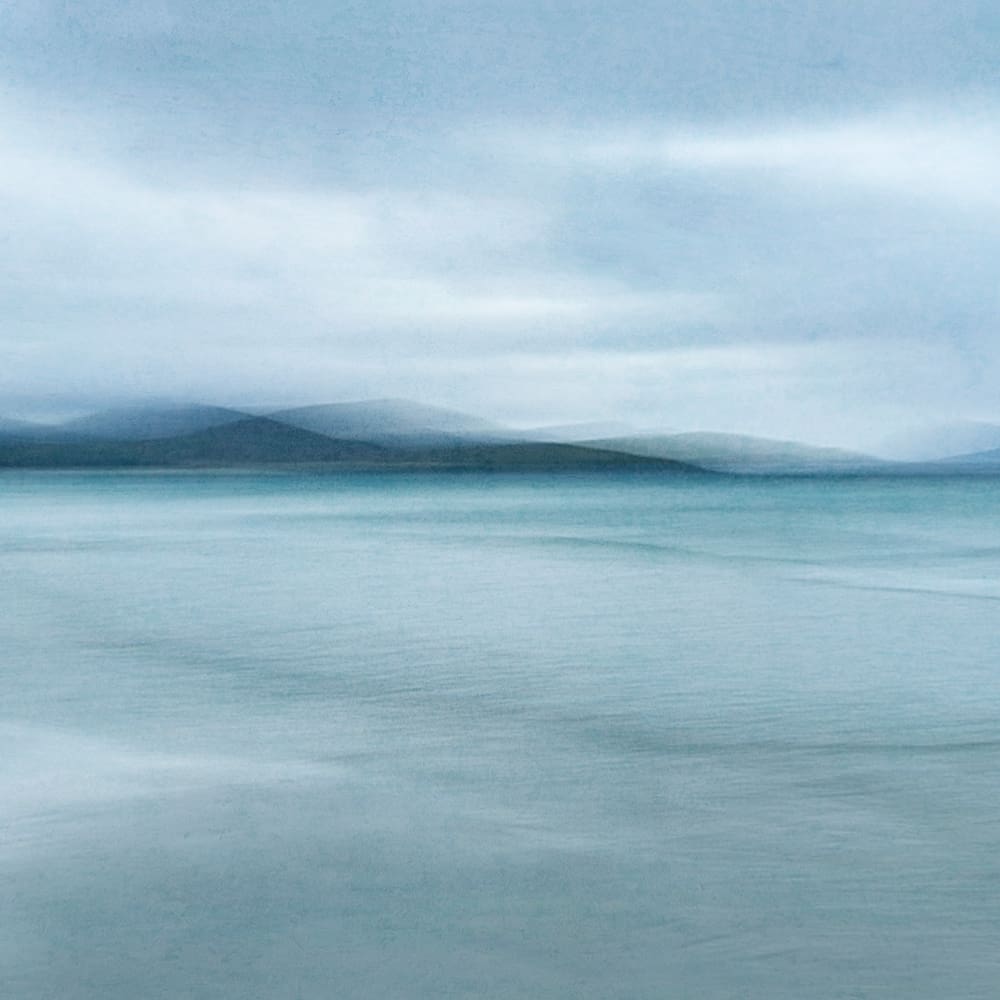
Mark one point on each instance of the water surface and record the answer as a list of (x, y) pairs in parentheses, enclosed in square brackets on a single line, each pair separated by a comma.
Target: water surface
[(467, 736)]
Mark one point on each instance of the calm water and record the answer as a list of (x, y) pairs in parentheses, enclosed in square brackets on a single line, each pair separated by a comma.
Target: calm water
[(455, 736)]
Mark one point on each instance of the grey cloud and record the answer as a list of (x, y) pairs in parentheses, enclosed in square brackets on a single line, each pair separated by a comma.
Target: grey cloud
[(685, 215), (933, 154)]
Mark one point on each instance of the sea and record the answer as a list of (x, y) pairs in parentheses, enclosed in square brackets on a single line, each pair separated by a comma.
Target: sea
[(310, 736)]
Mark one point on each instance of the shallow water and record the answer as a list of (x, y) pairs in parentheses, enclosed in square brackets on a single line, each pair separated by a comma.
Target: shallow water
[(471, 736)]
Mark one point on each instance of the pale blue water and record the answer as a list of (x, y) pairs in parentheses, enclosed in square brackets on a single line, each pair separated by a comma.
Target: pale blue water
[(460, 736)]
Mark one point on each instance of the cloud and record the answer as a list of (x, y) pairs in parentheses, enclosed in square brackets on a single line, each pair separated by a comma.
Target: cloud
[(933, 154), (457, 266), (760, 277), (827, 392)]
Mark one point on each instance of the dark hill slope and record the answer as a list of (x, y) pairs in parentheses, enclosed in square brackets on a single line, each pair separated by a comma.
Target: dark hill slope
[(260, 441), (146, 423), (396, 422), (533, 456), (980, 461), (740, 453), (19, 428), (248, 442), (25, 430)]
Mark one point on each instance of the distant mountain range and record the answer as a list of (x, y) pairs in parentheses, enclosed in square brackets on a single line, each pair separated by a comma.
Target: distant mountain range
[(943, 441), (147, 423), (380, 434), (392, 422), (394, 434), (743, 454), (977, 460)]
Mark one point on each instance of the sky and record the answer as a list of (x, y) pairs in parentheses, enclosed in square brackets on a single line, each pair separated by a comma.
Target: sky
[(778, 217)]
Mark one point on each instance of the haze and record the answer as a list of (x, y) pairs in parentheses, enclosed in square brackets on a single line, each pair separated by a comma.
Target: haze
[(772, 218)]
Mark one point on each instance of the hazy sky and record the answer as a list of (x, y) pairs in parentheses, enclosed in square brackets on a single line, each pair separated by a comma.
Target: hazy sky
[(782, 217)]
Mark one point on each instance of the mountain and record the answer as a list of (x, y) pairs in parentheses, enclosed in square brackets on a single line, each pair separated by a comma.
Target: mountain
[(979, 461), (13, 427), (26, 430), (388, 434), (261, 441), (145, 423), (21, 428), (943, 441), (740, 453), (575, 433), (246, 442), (396, 434), (537, 456), (397, 422)]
